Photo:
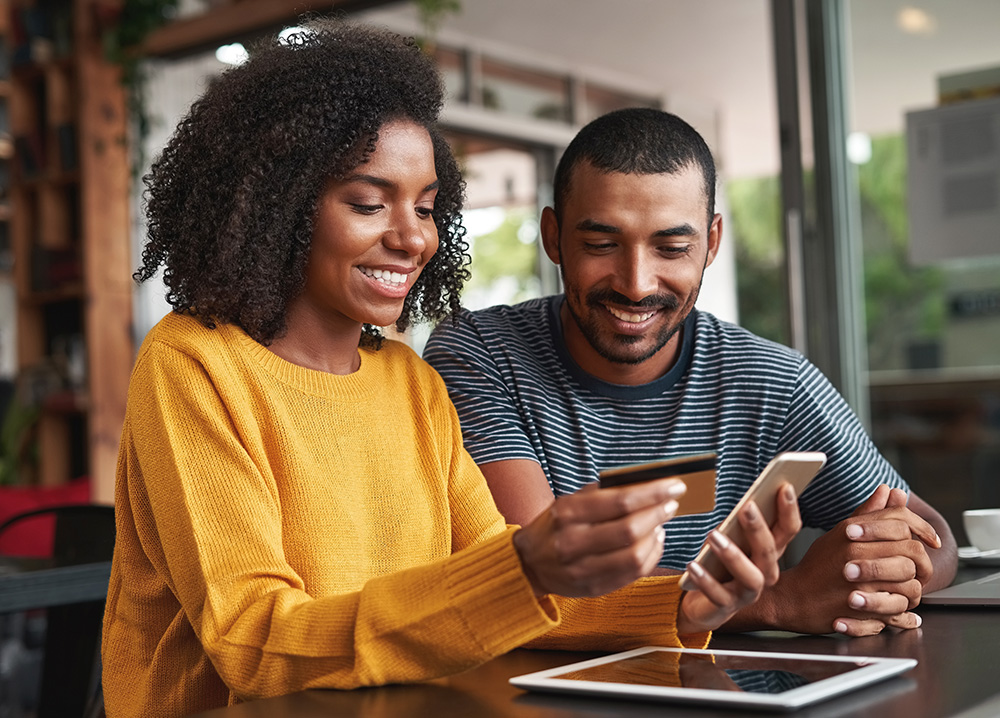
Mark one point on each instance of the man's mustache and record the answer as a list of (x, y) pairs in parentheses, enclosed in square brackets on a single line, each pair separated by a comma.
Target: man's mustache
[(600, 297)]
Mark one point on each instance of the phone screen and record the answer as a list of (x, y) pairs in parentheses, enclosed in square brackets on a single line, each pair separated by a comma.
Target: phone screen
[(793, 467)]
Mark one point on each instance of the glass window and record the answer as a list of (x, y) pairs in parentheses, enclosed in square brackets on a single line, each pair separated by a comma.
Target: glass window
[(500, 217), (600, 100), (528, 93), (926, 143), (451, 63)]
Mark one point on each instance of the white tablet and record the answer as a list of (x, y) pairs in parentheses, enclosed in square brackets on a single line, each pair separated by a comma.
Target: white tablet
[(748, 679)]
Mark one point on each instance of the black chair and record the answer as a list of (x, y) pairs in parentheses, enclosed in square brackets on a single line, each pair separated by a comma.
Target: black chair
[(71, 666)]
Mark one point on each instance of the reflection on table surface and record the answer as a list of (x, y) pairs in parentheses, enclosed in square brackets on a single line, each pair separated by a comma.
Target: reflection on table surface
[(958, 651)]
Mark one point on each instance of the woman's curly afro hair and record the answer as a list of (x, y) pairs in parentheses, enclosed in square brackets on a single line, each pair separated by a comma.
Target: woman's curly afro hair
[(232, 200)]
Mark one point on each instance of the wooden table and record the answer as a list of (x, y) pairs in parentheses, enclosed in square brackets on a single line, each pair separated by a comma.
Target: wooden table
[(27, 583), (958, 650)]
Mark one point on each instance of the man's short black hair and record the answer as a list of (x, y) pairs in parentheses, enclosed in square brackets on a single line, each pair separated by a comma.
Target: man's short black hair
[(637, 140)]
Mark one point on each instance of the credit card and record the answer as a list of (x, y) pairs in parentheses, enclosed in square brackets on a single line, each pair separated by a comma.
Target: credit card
[(697, 471)]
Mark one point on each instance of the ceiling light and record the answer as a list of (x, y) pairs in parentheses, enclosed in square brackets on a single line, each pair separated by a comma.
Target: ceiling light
[(234, 54), (916, 21), (859, 148)]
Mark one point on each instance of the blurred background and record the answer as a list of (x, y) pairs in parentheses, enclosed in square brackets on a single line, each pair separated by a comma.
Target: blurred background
[(858, 144)]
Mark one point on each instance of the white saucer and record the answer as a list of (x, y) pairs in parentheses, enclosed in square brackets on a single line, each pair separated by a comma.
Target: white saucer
[(972, 555)]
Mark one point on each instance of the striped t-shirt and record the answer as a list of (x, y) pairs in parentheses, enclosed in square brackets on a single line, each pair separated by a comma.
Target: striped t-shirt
[(520, 395)]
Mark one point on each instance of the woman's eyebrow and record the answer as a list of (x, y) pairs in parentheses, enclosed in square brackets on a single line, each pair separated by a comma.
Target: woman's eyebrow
[(383, 183)]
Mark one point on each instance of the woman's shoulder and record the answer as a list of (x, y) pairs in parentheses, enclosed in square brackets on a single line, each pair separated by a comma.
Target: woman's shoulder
[(188, 335)]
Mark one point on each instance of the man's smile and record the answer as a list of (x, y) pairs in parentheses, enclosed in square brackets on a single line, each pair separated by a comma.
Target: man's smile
[(630, 317)]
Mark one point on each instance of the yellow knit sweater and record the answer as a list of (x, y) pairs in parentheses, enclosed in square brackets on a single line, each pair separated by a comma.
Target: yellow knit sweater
[(281, 529)]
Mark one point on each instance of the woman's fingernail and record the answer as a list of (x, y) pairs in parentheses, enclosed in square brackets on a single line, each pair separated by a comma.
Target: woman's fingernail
[(670, 507), (920, 621), (852, 571), (677, 489), (854, 531), (840, 627), (938, 539), (857, 600), (753, 513), (720, 540), (788, 493), (696, 569)]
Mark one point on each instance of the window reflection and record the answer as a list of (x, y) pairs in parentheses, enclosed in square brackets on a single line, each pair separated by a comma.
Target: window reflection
[(932, 305)]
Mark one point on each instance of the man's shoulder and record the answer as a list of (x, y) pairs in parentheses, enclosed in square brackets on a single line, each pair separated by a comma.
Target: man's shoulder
[(502, 322), (716, 335), (532, 312)]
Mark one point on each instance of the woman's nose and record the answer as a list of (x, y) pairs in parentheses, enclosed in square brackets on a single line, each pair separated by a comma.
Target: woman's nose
[(411, 234)]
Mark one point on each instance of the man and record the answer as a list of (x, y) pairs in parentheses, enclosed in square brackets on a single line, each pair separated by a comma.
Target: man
[(622, 369)]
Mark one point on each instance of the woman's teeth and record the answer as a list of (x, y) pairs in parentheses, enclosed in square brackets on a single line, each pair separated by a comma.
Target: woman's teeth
[(385, 276)]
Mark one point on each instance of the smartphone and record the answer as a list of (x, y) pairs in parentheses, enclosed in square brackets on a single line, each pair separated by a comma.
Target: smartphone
[(794, 467), (697, 471)]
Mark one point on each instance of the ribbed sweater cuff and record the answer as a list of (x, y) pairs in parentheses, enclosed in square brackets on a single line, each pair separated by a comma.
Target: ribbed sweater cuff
[(496, 600), (646, 604)]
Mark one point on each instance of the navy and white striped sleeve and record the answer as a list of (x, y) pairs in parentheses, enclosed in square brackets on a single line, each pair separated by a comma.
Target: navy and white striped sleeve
[(492, 425), (819, 419)]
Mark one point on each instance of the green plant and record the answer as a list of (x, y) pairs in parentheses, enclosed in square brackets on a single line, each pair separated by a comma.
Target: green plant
[(432, 13), (17, 446), (755, 209), (903, 302)]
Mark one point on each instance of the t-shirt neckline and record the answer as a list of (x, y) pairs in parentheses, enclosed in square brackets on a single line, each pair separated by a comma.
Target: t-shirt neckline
[(620, 391)]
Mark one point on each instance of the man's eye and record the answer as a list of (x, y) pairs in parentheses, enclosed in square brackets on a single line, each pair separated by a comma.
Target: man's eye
[(676, 251), (599, 246)]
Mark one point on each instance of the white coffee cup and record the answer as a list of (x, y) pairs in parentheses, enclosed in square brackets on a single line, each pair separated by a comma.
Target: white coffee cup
[(982, 526)]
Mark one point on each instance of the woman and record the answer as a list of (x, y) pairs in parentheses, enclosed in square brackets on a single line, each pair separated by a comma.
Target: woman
[(295, 508)]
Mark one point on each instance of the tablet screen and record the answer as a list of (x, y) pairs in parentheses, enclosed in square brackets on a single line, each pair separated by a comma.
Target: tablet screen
[(721, 677), (754, 674)]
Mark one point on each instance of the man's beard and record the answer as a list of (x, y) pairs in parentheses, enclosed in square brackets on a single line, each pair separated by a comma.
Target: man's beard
[(610, 347)]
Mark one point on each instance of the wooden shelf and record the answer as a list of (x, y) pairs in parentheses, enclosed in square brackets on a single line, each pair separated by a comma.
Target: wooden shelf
[(60, 178), (74, 291), (66, 402), (69, 225), (226, 22), (30, 71)]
